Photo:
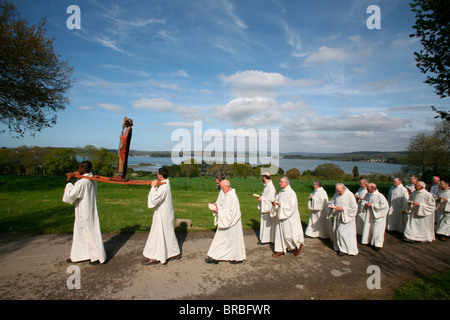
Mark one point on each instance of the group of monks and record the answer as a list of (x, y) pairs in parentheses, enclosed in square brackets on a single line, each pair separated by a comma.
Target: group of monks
[(340, 219)]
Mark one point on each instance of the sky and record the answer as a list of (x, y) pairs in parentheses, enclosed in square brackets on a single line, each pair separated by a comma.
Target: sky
[(313, 70)]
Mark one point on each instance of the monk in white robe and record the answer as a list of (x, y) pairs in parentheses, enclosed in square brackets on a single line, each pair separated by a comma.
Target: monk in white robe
[(162, 244), (268, 215), (289, 231), (87, 243), (228, 243), (443, 207), (319, 226), (359, 195), (420, 223), (376, 207), (343, 207), (398, 204)]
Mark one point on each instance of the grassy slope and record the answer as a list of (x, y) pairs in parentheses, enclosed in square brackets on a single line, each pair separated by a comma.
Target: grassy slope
[(33, 204)]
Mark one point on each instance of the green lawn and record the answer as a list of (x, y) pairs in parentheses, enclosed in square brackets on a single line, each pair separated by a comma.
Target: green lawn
[(33, 204)]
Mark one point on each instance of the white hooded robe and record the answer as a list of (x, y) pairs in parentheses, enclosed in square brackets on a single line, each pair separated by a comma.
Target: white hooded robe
[(375, 219), (162, 242), (319, 226), (398, 203), (87, 241), (420, 222), (362, 191), (443, 208), (289, 231), (228, 243), (344, 226), (268, 215)]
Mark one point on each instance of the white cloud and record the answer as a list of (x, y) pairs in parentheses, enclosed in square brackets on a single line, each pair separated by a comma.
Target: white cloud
[(110, 107), (183, 124), (158, 104), (326, 54), (85, 107), (249, 112), (254, 83)]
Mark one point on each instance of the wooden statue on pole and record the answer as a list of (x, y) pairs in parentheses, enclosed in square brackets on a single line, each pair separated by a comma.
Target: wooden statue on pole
[(124, 149), (122, 161)]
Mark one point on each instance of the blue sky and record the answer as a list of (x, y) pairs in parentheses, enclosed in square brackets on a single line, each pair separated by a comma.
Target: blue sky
[(312, 69)]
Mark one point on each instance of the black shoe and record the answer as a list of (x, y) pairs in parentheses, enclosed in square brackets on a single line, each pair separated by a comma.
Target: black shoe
[(93, 263), (211, 260), (236, 262)]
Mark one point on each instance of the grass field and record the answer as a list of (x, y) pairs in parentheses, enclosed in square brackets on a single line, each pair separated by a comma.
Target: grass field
[(33, 204)]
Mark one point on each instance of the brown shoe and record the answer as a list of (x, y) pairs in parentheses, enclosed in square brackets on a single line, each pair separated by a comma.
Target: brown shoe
[(277, 254), (297, 252)]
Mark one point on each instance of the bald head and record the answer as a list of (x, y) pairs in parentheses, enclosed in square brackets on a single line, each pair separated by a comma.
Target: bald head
[(225, 185)]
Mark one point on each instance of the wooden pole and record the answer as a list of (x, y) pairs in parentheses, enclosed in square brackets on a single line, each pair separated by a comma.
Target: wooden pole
[(111, 180)]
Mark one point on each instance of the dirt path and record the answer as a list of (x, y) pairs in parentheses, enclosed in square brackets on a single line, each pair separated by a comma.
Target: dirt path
[(33, 266)]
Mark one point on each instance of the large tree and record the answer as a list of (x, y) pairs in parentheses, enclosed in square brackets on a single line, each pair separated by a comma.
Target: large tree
[(432, 27), (429, 153), (33, 77)]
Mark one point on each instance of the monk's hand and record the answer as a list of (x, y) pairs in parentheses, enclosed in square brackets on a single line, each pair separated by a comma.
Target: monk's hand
[(339, 208), (154, 183), (368, 204), (70, 176)]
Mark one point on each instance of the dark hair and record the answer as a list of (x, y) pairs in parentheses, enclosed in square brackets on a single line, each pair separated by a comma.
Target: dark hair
[(318, 183), (87, 165), (220, 177), (164, 172)]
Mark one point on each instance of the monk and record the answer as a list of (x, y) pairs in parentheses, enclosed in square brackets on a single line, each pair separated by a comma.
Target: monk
[(228, 243), (343, 207), (87, 243), (162, 244)]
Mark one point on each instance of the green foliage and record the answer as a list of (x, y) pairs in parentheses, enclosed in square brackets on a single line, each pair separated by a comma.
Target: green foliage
[(329, 171), (60, 161), (33, 79), (429, 153), (102, 162), (293, 173)]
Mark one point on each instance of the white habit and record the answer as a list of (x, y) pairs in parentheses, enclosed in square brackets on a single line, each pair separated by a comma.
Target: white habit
[(268, 215), (87, 241), (443, 207), (289, 231), (344, 226), (319, 226), (162, 242), (420, 222), (228, 243), (375, 218), (361, 215), (398, 203)]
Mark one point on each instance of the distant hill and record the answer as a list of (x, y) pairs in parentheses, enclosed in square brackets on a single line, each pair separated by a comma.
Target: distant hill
[(358, 156)]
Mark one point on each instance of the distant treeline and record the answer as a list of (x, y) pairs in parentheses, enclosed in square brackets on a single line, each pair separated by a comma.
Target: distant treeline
[(58, 161), (362, 156)]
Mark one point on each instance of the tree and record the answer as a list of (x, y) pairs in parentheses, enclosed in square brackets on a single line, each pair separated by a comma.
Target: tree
[(293, 173), (60, 161), (355, 172), (33, 78), (329, 171), (103, 162), (429, 152), (433, 28)]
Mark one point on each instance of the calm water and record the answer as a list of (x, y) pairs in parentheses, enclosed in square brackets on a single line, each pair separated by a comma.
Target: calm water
[(286, 164)]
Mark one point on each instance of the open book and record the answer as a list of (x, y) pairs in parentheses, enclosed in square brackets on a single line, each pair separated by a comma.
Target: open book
[(212, 206)]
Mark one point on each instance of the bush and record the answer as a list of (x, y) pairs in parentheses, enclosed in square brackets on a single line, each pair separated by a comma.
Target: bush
[(329, 171)]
